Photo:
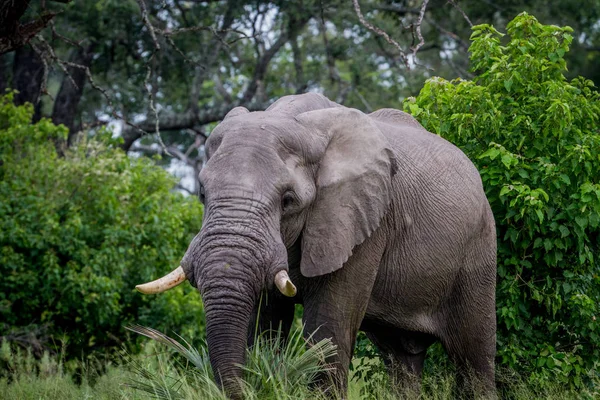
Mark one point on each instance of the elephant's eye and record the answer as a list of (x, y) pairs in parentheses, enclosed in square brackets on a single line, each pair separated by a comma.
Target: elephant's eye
[(287, 201), (201, 193)]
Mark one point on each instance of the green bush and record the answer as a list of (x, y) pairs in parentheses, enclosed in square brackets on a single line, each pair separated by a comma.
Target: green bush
[(534, 137), (78, 232)]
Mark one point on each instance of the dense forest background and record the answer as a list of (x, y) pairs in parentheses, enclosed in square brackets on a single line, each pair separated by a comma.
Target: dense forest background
[(108, 104), (189, 62)]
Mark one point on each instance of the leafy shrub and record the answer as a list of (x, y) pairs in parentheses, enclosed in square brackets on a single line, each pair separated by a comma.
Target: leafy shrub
[(78, 232), (534, 137)]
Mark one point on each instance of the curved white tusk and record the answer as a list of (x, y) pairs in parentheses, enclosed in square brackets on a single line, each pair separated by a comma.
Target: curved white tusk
[(284, 284), (169, 281)]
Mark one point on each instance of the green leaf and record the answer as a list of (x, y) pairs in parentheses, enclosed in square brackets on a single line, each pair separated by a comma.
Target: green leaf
[(568, 274), (565, 178), (540, 215), (507, 160), (492, 153), (594, 220), (541, 361), (415, 110), (505, 190), (581, 221), (543, 193)]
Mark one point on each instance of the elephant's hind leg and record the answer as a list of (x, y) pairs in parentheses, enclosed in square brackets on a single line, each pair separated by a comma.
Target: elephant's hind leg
[(404, 355), (470, 338)]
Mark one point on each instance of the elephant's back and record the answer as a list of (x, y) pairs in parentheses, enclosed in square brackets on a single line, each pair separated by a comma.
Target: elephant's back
[(436, 182), (395, 117), (439, 215), (425, 156)]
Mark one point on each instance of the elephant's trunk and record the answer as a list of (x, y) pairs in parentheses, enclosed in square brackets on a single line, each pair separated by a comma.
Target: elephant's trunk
[(232, 256), (228, 315), (237, 254)]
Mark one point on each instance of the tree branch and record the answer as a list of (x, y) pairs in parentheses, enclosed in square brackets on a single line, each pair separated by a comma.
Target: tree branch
[(148, 24), (213, 50), (300, 80), (196, 117), (334, 75), (13, 34), (418, 29), (460, 10), (172, 151), (451, 35), (400, 10), (221, 89), (186, 120), (23, 33), (381, 33), (262, 63), (71, 90)]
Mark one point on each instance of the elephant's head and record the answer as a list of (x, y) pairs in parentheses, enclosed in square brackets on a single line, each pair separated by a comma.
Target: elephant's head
[(305, 171)]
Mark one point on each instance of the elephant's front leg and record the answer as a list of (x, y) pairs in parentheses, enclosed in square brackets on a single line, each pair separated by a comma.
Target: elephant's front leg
[(334, 307), (272, 312)]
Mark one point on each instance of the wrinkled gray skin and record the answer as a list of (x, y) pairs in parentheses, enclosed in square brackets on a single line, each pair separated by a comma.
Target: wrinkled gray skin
[(383, 226)]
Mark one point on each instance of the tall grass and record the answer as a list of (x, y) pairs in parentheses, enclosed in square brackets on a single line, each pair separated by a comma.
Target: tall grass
[(275, 369), (23, 377)]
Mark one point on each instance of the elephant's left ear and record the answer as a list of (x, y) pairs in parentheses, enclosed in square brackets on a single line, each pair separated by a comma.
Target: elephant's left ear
[(354, 187)]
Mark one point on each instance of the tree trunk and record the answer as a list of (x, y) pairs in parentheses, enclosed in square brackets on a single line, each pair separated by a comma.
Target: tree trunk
[(28, 71), (3, 74), (69, 95)]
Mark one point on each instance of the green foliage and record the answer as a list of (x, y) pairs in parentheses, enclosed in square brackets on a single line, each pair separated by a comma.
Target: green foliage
[(534, 137), (49, 377), (275, 369), (78, 232), (367, 366)]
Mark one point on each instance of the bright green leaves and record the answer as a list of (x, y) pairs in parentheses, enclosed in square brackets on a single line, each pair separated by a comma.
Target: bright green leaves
[(534, 137), (78, 232)]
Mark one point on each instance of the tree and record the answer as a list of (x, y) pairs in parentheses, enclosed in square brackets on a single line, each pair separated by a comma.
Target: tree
[(534, 136), (79, 231), (189, 62), (13, 33)]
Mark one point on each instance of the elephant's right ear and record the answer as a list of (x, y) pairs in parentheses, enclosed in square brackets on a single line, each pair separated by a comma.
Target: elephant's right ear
[(354, 187), (236, 111)]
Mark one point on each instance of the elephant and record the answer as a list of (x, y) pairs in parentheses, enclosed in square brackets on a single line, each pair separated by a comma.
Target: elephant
[(369, 221)]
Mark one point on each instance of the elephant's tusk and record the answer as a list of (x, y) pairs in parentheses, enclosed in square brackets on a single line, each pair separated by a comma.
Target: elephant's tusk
[(284, 284), (169, 281)]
